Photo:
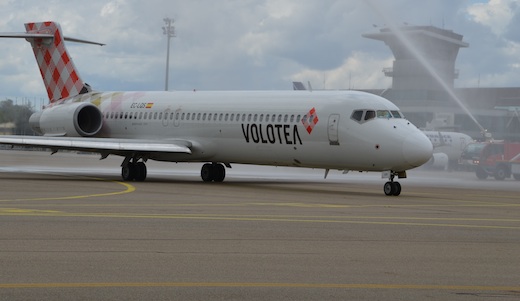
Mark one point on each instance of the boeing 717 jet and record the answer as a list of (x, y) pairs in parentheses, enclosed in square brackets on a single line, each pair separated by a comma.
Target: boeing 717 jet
[(342, 130)]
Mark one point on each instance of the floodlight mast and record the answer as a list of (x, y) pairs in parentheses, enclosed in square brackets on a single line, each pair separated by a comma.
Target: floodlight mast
[(169, 31)]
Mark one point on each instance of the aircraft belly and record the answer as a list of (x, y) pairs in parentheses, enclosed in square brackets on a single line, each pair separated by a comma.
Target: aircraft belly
[(308, 155)]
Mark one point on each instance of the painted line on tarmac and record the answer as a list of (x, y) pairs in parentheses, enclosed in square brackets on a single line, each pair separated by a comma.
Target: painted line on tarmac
[(514, 289), (128, 189), (270, 218)]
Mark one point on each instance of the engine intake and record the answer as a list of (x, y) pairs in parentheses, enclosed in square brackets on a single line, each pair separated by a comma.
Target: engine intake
[(71, 119)]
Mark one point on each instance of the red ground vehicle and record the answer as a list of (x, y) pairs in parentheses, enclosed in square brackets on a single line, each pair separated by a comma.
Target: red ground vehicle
[(498, 158)]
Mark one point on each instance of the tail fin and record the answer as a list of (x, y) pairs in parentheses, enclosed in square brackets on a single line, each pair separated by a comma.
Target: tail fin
[(60, 77)]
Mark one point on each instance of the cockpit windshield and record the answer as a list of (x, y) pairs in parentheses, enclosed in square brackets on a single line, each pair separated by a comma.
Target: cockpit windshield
[(383, 114), (362, 116)]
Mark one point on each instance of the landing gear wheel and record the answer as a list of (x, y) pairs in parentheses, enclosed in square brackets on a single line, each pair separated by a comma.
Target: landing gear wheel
[(392, 188), (389, 188), (206, 173), (397, 188), (128, 172), (213, 172), (140, 169), (219, 172), (133, 171)]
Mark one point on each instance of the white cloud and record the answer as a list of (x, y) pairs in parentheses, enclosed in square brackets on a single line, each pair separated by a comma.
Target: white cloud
[(251, 44), (495, 14), (358, 71)]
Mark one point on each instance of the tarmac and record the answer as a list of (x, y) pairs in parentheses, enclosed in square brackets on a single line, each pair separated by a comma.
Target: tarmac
[(72, 229)]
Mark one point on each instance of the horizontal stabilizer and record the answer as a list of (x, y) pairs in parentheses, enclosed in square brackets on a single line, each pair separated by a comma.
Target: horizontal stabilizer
[(25, 35)]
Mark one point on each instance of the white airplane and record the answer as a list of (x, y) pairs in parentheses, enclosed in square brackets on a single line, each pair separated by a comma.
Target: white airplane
[(341, 130), (448, 147)]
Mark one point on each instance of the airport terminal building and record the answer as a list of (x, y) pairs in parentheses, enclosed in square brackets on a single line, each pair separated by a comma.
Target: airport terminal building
[(425, 54)]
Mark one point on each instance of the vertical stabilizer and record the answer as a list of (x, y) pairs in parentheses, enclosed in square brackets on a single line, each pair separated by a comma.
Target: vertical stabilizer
[(60, 77)]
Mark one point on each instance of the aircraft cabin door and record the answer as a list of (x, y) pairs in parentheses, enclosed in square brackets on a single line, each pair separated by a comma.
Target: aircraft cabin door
[(333, 129)]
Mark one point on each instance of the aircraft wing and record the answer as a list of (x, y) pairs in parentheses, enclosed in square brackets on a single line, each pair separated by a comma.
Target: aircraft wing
[(104, 146)]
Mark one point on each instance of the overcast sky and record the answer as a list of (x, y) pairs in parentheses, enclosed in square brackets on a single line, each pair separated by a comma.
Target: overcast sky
[(253, 44)]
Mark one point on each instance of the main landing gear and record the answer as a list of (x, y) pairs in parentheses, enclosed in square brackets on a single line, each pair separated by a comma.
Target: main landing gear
[(213, 172), (132, 170), (392, 188)]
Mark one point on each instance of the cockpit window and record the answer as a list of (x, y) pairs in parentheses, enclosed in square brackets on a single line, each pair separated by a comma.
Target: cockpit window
[(370, 115), (363, 116), (397, 114), (383, 114), (357, 115)]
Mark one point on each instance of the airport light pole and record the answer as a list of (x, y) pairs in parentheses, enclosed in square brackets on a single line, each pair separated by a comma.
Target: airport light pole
[(169, 31)]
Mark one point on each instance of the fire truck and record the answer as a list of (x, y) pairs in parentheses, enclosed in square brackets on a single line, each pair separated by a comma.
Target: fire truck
[(498, 158)]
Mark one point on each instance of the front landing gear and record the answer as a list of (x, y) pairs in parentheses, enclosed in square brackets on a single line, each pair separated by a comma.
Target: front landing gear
[(392, 188)]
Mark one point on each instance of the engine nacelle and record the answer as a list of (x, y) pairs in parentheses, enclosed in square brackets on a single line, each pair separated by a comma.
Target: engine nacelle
[(71, 119), (438, 160)]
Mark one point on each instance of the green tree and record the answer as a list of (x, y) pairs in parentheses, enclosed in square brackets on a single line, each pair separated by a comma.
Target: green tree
[(18, 114)]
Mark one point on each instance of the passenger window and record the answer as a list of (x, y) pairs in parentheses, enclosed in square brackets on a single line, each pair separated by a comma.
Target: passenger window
[(370, 115)]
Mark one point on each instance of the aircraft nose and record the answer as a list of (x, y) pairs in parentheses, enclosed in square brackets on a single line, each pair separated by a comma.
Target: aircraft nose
[(417, 149)]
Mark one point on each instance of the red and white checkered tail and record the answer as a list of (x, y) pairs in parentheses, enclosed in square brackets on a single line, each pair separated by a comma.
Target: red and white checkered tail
[(60, 77)]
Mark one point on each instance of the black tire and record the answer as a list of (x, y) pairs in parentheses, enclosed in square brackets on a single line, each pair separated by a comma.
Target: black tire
[(501, 173), (219, 172), (397, 189), (481, 173), (389, 188), (128, 172), (140, 171), (206, 172)]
